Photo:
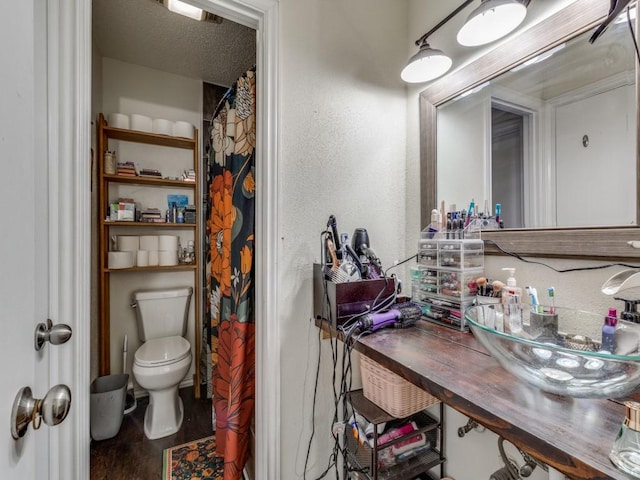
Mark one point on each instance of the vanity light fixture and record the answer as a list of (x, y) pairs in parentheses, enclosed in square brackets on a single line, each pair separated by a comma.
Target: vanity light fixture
[(492, 20), (429, 63), (185, 9)]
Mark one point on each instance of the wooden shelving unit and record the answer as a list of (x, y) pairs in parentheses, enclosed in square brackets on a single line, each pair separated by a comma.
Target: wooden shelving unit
[(105, 134)]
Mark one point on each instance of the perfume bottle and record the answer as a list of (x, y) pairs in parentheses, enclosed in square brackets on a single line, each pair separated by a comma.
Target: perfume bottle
[(625, 453)]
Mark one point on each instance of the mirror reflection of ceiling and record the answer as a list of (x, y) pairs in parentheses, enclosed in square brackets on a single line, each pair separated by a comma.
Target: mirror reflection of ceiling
[(144, 32), (575, 65)]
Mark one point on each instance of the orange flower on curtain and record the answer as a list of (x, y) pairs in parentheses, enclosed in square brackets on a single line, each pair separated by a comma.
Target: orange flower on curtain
[(222, 216), (231, 238)]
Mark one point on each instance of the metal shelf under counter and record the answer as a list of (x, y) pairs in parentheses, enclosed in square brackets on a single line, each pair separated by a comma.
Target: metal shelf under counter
[(573, 435)]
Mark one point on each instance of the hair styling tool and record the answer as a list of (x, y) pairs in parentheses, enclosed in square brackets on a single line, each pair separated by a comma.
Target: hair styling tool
[(334, 232), (355, 259), (335, 273), (359, 240), (615, 7), (406, 313), (410, 314), (360, 245)]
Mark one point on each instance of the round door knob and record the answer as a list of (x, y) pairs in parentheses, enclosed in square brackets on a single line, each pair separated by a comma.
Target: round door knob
[(48, 332), (52, 409), (55, 405)]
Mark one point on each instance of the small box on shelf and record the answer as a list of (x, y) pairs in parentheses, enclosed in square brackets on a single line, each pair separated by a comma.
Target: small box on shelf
[(124, 210)]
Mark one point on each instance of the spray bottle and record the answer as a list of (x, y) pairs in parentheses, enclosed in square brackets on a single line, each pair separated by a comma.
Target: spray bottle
[(512, 301)]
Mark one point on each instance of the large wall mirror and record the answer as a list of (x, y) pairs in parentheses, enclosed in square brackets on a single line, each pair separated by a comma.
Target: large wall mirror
[(545, 125)]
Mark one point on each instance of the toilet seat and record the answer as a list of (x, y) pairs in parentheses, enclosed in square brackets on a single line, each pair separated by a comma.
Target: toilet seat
[(159, 352)]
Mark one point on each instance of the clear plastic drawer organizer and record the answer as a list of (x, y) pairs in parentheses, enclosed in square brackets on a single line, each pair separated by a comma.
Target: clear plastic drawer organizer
[(442, 281)]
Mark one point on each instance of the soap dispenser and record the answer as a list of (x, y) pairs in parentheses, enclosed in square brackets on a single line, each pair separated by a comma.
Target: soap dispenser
[(630, 312), (625, 453), (511, 293), (512, 303), (627, 336)]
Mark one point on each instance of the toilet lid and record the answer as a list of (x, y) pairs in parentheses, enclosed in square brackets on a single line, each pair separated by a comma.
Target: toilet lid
[(160, 351)]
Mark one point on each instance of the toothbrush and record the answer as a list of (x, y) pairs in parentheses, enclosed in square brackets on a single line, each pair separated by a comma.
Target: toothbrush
[(552, 292), (470, 213), (533, 294)]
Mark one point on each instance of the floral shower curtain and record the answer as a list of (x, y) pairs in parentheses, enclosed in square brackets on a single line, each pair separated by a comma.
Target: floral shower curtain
[(230, 231)]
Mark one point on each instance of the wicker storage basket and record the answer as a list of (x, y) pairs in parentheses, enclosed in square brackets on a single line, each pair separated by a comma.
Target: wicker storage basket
[(391, 392)]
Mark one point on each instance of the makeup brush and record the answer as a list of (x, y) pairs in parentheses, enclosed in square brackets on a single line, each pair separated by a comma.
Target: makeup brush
[(497, 288), (482, 285)]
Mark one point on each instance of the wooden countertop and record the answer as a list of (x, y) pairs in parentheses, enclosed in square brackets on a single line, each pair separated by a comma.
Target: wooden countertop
[(572, 435)]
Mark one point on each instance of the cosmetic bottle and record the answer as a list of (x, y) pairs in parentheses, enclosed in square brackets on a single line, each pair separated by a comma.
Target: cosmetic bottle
[(436, 223), (512, 301), (608, 344), (625, 453)]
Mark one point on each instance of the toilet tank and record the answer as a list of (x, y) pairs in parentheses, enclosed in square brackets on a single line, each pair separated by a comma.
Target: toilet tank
[(162, 313)]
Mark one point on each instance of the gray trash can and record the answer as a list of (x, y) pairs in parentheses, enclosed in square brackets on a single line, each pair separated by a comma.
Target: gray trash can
[(107, 405)]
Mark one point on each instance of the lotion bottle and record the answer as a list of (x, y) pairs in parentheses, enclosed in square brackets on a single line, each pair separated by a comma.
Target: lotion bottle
[(512, 301), (609, 331)]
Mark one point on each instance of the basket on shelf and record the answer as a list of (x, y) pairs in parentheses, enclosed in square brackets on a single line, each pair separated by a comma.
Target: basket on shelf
[(392, 393)]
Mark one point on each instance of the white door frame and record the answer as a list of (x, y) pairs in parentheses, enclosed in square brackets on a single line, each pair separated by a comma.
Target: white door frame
[(69, 125), (68, 52)]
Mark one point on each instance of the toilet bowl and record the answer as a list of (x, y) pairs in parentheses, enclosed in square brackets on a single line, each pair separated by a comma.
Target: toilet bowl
[(164, 358), (159, 366)]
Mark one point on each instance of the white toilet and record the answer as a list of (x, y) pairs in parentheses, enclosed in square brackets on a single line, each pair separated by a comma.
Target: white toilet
[(164, 357)]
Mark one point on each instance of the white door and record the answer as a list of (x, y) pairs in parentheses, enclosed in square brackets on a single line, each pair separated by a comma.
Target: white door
[(42, 261)]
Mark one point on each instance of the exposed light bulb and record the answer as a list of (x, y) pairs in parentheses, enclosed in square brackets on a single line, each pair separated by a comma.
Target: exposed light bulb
[(492, 20), (185, 9), (428, 64)]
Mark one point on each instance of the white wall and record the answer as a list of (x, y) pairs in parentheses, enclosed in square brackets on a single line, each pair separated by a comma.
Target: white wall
[(608, 119), (343, 153), (128, 89), (465, 121)]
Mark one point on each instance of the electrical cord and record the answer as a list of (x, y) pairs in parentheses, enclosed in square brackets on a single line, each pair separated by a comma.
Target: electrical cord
[(562, 270), (633, 35), (348, 329), (412, 257), (333, 342)]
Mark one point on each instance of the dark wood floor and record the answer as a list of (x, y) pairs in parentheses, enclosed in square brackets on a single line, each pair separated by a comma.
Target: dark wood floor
[(131, 456)]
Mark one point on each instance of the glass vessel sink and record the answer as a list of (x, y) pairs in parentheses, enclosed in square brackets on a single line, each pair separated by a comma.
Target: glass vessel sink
[(559, 352)]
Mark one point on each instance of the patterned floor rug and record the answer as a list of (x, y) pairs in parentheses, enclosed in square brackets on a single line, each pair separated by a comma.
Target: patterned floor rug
[(195, 460)]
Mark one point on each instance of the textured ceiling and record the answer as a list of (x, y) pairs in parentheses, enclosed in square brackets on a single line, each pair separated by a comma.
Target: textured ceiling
[(143, 32), (577, 65)]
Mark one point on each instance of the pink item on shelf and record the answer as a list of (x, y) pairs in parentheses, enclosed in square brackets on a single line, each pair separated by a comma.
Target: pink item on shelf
[(397, 432), (409, 444)]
